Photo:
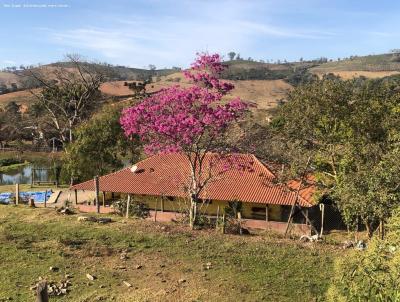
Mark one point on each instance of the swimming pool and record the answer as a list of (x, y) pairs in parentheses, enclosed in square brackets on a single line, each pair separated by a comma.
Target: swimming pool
[(39, 196)]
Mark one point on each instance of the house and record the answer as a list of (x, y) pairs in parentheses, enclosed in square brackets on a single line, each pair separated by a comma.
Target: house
[(161, 182)]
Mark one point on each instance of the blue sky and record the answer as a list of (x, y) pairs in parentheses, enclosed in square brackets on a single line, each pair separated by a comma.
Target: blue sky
[(169, 33)]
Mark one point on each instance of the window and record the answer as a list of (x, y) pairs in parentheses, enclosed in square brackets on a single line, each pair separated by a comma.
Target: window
[(258, 213)]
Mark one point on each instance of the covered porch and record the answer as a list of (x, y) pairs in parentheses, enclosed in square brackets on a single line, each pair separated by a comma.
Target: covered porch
[(254, 216)]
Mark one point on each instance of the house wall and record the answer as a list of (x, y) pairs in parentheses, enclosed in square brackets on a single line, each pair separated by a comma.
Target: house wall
[(249, 210), (253, 214)]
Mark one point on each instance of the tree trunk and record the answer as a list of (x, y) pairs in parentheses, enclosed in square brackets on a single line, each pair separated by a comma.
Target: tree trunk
[(381, 229), (368, 228), (192, 213), (70, 131)]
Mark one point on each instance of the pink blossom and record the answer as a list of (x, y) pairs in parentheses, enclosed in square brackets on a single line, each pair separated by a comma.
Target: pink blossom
[(179, 119)]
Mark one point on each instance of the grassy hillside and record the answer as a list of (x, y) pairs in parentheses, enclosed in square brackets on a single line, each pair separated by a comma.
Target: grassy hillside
[(266, 93), (20, 97), (164, 262), (7, 78), (372, 63), (111, 72)]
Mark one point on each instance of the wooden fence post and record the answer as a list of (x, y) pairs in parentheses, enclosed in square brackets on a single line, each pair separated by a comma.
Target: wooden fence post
[(45, 198), (17, 194), (128, 202), (76, 196), (97, 192), (41, 292), (216, 222), (223, 223), (155, 212), (322, 208), (240, 223)]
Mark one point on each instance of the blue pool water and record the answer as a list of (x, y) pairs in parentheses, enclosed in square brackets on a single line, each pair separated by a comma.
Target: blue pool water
[(37, 196)]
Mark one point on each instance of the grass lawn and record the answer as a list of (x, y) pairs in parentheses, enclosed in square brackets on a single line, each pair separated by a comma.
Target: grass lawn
[(165, 261)]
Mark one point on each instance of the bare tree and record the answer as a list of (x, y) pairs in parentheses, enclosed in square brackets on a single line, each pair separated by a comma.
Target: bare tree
[(68, 94)]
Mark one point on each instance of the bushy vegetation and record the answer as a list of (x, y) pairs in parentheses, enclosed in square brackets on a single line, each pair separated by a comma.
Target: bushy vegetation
[(232, 223), (136, 208), (350, 131), (10, 161), (371, 275), (255, 73), (301, 76)]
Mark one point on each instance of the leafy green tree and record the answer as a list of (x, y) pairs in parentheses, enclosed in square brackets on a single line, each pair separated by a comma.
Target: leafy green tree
[(350, 130), (231, 55), (99, 147), (12, 124)]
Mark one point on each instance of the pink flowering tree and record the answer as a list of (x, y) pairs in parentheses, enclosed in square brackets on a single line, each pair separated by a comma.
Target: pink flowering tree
[(193, 121)]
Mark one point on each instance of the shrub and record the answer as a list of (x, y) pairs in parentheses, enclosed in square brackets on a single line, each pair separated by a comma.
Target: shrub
[(204, 222), (373, 274), (10, 161), (232, 224), (136, 208)]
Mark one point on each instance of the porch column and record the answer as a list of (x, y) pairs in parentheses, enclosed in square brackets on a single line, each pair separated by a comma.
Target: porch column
[(97, 192), (306, 218), (155, 210), (128, 202), (266, 213), (104, 199), (17, 194), (76, 196)]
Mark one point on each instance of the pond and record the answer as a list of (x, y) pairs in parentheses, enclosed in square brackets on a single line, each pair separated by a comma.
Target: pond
[(23, 175)]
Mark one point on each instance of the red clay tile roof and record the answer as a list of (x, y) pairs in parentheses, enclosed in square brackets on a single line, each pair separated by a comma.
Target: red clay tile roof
[(168, 175)]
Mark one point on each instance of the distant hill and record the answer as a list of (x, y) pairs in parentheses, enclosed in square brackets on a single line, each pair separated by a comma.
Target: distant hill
[(370, 66), (18, 80), (121, 72), (292, 72), (265, 84), (7, 78), (265, 94), (252, 70)]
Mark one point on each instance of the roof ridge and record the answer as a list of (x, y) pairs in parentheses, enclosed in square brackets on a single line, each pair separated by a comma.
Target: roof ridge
[(263, 165)]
